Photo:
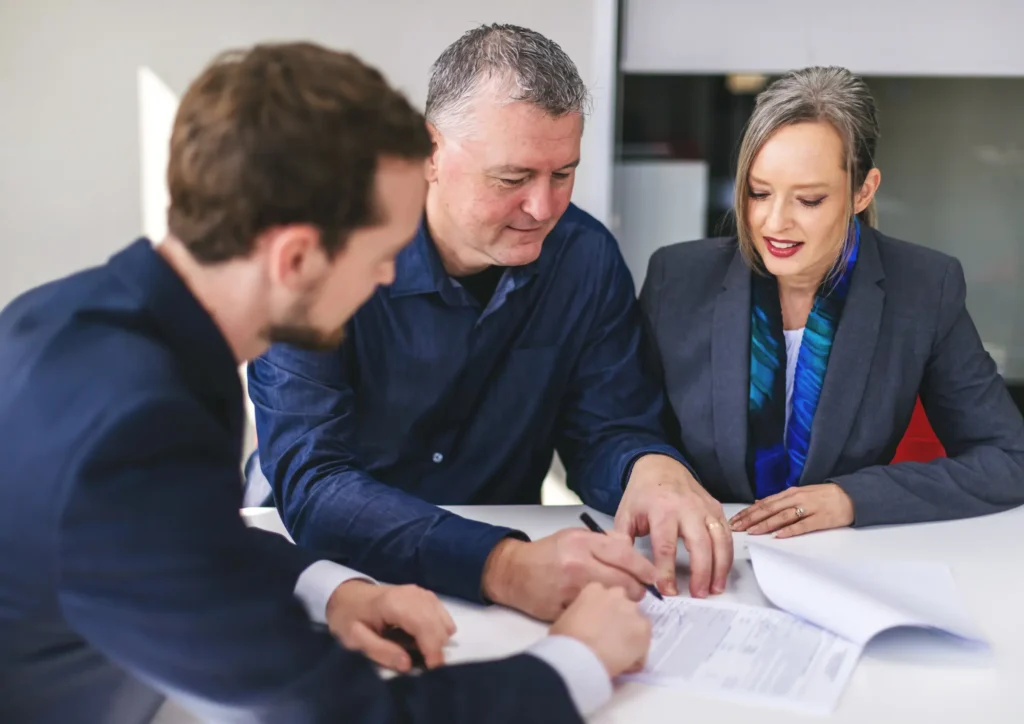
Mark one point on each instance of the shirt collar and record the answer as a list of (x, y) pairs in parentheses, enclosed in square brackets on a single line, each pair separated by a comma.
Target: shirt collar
[(194, 338), (419, 269)]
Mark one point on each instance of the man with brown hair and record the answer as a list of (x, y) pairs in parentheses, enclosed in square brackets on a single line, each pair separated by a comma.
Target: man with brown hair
[(296, 176)]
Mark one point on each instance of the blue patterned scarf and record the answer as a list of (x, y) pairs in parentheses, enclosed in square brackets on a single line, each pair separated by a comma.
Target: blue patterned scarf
[(776, 456)]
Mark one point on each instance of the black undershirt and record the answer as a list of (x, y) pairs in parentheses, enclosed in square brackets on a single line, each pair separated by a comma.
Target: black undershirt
[(482, 284)]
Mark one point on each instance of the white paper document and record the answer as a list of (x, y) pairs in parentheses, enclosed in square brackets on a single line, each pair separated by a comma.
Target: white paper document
[(802, 656), (753, 655), (861, 600)]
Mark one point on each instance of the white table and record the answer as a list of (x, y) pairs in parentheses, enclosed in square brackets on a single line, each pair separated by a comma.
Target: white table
[(892, 683)]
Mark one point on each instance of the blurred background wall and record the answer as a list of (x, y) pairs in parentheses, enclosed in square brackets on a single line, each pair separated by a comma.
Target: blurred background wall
[(673, 82)]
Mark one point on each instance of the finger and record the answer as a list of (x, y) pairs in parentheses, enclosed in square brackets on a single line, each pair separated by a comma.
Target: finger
[(721, 543), (807, 524), (383, 652), (764, 509), (784, 517), (751, 515), (615, 578), (664, 545), (624, 524), (446, 618), (739, 517), (638, 665), (697, 540), (422, 615), (759, 505), (618, 552), (430, 630)]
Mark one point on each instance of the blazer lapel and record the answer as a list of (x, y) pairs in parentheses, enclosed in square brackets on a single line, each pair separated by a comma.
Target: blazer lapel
[(730, 365), (849, 363)]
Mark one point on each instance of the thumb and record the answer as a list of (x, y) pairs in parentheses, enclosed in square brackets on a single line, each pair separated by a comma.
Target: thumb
[(381, 651), (624, 525)]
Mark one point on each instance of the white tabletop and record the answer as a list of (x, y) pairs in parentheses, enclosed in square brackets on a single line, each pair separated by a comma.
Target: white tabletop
[(924, 681)]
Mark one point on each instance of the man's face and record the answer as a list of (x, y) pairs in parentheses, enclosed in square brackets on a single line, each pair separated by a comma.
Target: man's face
[(333, 289), (499, 185)]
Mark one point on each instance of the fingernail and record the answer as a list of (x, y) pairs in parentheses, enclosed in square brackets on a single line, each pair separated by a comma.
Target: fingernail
[(399, 663)]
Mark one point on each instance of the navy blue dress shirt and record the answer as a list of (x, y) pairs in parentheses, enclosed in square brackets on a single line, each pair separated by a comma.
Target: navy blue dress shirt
[(125, 569), (434, 399)]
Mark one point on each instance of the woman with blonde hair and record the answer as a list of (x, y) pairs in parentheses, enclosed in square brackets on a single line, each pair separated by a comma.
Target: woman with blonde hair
[(793, 354)]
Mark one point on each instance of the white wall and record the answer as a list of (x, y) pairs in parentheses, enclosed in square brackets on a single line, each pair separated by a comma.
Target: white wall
[(872, 37), (69, 139)]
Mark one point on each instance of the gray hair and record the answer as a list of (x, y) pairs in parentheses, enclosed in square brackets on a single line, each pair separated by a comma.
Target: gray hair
[(832, 94), (529, 66)]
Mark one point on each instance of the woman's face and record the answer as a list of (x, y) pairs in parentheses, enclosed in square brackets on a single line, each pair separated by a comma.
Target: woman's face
[(797, 206)]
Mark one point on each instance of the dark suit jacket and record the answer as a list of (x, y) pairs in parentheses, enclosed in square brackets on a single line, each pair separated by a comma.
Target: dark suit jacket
[(126, 572), (905, 331)]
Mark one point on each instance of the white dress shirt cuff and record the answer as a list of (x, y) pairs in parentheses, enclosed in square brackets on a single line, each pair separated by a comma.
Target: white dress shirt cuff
[(583, 673), (317, 583)]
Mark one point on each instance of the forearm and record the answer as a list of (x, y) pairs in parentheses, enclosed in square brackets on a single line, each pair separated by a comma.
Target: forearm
[(600, 472), (981, 481), (394, 536)]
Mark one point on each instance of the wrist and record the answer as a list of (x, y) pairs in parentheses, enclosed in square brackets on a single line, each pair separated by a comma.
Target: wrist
[(497, 583), (348, 594), (661, 470)]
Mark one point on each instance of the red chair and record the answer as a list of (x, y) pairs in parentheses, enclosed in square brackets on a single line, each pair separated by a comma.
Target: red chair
[(920, 444)]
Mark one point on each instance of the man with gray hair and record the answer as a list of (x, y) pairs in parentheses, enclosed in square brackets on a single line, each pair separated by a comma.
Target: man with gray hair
[(511, 330)]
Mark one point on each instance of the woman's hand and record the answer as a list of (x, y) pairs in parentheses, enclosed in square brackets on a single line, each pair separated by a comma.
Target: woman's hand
[(797, 510)]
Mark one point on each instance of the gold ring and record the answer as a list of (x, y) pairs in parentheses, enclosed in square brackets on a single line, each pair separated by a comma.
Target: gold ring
[(800, 512), (713, 524)]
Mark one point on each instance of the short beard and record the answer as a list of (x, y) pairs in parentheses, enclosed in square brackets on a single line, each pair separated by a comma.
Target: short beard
[(304, 337), (298, 333)]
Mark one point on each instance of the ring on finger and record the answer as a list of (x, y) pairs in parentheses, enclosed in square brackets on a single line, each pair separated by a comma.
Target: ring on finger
[(714, 524), (800, 512)]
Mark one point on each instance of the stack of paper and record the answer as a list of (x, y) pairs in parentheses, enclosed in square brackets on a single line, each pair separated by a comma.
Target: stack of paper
[(803, 656)]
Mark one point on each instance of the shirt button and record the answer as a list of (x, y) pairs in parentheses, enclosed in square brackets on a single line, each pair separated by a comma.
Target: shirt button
[(437, 457)]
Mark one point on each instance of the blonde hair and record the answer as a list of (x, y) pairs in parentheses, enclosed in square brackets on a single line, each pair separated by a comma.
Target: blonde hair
[(831, 94)]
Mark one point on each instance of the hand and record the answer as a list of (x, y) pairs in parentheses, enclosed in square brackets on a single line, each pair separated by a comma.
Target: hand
[(610, 625), (796, 511), (543, 577), (359, 611), (663, 500)]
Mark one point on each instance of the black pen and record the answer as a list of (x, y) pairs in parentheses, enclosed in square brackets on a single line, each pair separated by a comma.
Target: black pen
[(592, 524)]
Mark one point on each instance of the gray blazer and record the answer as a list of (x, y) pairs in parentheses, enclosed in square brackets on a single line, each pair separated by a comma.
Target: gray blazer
[(905, 331)]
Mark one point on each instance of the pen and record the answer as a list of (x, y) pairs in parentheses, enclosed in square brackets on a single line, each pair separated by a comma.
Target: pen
[(592, 524)]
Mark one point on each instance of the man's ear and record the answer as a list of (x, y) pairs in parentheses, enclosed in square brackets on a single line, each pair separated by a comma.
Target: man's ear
[(437, 144), (296, 257)]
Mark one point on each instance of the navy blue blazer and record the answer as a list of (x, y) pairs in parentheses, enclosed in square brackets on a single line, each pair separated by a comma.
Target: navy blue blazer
[(126, 572), (905, 331)]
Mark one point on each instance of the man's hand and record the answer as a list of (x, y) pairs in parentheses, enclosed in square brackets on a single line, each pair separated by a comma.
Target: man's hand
[(543, 577), (796, 511), (610, 625), (663, 500), (358, 612)]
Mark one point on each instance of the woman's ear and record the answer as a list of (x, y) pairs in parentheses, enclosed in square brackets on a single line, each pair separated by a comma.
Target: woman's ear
[(867, 190)]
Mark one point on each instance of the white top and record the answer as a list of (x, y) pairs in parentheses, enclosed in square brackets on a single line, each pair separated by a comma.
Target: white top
[(793, 339)]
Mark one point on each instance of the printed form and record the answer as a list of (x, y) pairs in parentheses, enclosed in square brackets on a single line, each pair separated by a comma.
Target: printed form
[(753, 655), (800, 657)]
